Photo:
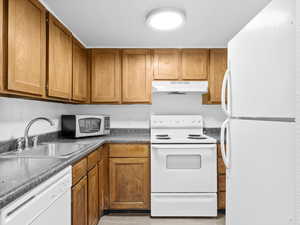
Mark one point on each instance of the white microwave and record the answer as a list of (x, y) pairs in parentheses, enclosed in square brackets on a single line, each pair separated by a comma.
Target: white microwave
[(77, 126)]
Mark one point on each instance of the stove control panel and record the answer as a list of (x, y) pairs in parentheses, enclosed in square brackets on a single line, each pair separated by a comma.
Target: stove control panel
[(166, 121)]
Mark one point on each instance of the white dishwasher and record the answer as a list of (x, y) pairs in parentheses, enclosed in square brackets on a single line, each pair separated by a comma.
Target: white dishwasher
[(47, 204)]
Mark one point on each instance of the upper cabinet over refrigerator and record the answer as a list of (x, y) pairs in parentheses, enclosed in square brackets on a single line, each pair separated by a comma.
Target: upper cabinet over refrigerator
[(256, 89)]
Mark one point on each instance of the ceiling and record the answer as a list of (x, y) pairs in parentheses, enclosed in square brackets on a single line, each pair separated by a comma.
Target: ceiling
[(120, 23)]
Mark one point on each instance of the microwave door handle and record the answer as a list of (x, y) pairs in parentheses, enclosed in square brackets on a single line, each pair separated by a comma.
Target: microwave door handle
[(225, 85), (222, 140)]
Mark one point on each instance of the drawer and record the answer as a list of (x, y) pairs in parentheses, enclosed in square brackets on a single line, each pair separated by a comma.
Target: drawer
[(221, 166), (128, 150), (103, 152), (222, 200), (222, 182), (182, 205), (79, 170), (92, 159)]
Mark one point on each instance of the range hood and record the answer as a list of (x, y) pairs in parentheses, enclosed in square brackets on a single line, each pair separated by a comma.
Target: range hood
[(180, 87)]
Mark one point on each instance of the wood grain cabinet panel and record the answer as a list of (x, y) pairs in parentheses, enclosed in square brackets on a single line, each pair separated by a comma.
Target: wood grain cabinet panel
[(105, 178), (166, 64), (137, 76), (106, 76), (221, 166), (79, 203), (195, 64), (92, 159), (101, 186), (26, 47), (222, 182), (59, 60), (222, 200), (129, 150), (80, 72), (3, 38), (93, 191), (218, 66), (129, 183), (79, 170)]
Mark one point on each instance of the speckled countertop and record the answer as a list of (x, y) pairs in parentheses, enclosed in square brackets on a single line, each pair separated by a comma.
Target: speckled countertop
[(19, 175)]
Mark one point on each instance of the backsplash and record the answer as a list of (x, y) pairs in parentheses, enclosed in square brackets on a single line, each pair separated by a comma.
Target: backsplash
[(16, 113)]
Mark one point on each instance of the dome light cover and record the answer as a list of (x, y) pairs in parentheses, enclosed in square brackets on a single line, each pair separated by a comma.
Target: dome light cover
[(165, 19)]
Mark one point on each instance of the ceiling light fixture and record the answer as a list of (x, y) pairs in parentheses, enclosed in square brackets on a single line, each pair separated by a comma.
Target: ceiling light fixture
[(165, 18)]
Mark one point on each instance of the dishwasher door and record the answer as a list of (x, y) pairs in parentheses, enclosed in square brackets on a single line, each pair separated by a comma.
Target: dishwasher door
[(47, 204)]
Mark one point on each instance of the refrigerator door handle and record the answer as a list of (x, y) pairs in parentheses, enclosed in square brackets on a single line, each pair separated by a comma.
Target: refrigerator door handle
[(225, 85), (225, 156)]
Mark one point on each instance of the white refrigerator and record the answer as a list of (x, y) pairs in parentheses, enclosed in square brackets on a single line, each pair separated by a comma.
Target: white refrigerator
[(258, 137)]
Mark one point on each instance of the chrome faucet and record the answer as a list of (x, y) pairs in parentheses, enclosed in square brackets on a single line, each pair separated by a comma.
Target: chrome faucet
[(30, 124)]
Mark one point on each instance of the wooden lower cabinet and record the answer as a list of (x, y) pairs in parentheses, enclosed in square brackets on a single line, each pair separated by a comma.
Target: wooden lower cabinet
[(103, 197), (93, 192), (221, 181), (101, 181), (129, 183), (79, 202)]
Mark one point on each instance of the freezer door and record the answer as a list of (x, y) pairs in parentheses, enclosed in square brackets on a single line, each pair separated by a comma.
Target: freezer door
[(261, 178), (262, 64)]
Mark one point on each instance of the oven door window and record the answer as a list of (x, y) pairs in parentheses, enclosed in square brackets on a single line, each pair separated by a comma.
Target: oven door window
[(183, 162), (89, 125)]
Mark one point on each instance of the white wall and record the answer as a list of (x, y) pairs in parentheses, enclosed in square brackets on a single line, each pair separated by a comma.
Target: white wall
[(16, 113)]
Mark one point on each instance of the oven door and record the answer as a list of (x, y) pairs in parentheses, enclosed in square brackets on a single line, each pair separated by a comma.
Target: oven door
[(183, 168)]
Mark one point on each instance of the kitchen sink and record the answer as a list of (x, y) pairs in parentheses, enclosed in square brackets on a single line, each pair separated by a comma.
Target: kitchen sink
[(48, 150)]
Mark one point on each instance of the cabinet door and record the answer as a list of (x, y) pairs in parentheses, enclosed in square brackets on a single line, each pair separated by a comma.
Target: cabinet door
[(166, 64), (106, 183), (79, 202), (136, 72), (80, 72), (3, 32), (195, 64), (59, 60), (106, 76), (26, 47), (129, 183), (218, 66), (93, 206), (101, 198)]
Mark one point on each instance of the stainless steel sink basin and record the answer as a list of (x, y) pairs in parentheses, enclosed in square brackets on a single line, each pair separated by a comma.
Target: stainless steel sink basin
[(48, 150)]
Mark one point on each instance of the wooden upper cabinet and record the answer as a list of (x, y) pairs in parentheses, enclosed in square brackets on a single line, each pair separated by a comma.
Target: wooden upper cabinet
[(2, 44), (106, 76), (129, 183), (59, 60), (137, 76), (218, 66), (195, 64), (166, 65), (80, 72), (26, 47)]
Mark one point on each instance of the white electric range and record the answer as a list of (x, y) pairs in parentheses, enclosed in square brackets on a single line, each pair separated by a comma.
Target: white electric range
[(183, 168)]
